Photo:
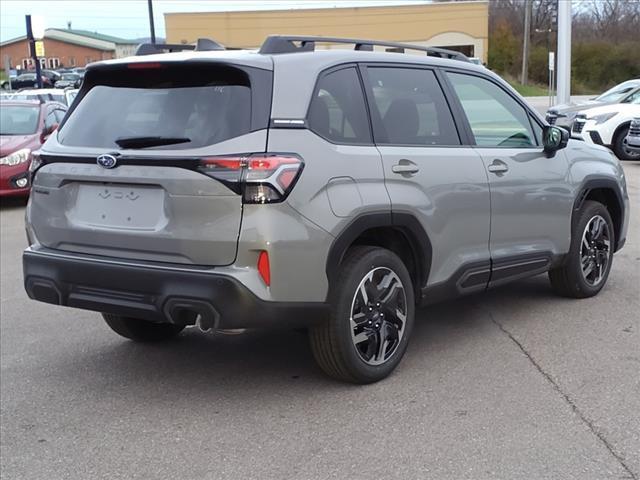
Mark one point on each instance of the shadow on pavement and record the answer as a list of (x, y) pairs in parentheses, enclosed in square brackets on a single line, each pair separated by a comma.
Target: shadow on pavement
[(263, 361)]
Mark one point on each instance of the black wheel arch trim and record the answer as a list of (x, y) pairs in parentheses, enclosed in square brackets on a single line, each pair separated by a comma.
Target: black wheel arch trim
[(403, 222), (592, 183)]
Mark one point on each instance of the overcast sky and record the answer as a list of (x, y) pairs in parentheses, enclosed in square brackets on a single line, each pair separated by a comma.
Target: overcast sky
[(129, 18)]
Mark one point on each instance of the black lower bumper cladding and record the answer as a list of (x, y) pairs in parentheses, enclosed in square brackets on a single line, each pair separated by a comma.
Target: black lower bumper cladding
[(157, 294)]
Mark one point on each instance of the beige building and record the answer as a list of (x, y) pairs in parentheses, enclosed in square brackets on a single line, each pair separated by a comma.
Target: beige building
[(462, 26)]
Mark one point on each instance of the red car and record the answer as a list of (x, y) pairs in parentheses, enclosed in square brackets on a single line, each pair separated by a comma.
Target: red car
[(24, 126)]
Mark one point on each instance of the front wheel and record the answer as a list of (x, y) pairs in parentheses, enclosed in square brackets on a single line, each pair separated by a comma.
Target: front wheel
[(588, 263), (372, 315), (141, 330)]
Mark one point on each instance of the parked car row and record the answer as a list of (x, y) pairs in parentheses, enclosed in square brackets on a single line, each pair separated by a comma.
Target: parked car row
[(50, 78), (605, 120)]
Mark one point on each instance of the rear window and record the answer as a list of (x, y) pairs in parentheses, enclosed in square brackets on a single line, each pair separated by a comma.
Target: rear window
[(198, 106)]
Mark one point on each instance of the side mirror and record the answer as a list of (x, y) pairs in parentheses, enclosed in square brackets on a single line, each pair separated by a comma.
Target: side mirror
[(554, 138), (48, 131)]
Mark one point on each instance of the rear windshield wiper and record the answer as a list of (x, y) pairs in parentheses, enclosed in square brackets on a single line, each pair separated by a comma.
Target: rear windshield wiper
[(144, 142)]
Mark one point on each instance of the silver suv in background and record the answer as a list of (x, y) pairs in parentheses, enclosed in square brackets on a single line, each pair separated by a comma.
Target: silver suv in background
[(333, 189), (633, 137)]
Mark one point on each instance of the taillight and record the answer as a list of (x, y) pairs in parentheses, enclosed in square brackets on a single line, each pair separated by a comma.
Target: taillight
[(259, 177)]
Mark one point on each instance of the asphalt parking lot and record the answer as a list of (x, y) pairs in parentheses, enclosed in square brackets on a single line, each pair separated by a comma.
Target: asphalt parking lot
[(517, 383)]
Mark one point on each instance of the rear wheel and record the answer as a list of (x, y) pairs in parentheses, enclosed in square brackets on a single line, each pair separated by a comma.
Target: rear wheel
[(371, 318), (620, 148), (588, 263), (141, 330)]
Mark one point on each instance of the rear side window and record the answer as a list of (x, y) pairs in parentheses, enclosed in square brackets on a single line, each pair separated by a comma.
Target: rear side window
[(197, 106), (411, 107), (337, 111)]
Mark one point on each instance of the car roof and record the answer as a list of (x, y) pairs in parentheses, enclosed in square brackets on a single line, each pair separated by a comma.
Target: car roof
[(21, 103)]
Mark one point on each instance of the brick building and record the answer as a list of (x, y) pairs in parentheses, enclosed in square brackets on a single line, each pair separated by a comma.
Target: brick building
[(66, 48)]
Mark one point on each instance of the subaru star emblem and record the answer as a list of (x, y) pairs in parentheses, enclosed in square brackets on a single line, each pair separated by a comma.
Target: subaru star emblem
[(107, 161)]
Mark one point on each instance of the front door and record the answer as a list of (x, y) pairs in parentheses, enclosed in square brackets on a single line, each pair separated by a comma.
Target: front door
[(531, 200)]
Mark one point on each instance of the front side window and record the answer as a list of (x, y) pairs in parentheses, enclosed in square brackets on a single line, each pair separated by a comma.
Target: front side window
[(496, 119), (337, 111), (411, 107)]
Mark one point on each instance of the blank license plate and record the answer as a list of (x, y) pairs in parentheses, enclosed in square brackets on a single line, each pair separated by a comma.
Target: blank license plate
[(120, 206)]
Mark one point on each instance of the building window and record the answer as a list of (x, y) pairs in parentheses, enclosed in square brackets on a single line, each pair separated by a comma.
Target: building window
[(27, 63), (54, 62), (43, 62), (88, 60), (72, 61)]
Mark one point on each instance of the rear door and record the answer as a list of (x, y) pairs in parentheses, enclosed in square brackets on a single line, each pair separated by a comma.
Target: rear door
[(428, 172), (139, 167), (531, 201)]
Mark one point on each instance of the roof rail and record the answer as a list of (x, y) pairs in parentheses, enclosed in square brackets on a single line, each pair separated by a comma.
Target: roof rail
[(285, 44), (202, 45)]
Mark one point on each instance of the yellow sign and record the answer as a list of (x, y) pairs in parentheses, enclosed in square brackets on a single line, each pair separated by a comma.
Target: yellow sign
[(39, 48)]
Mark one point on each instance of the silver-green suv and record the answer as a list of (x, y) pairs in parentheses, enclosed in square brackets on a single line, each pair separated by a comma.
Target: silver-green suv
[(333, 189)]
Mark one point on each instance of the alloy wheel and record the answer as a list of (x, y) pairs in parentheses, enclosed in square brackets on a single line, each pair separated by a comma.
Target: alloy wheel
[(378, 315), (595, 250)]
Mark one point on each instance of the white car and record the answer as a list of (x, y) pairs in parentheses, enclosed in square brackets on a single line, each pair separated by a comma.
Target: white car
[(608, 125)]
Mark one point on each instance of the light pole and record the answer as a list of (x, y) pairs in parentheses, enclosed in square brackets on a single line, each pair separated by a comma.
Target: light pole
[(32, 50), (151, 24), (564, 51)]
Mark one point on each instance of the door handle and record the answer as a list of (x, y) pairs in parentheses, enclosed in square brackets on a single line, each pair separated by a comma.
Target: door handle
[(498, 167), (405, 166)]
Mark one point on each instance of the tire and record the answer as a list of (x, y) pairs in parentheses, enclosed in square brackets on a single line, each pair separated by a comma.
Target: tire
[(5, 86), (619, 146), (141, 330), (569, 280), (335, 343)]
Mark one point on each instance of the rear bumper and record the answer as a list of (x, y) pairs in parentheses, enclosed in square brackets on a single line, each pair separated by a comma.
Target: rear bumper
[(174, 295)]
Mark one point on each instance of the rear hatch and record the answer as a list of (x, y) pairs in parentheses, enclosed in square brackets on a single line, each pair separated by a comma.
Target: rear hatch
[(124, 177)]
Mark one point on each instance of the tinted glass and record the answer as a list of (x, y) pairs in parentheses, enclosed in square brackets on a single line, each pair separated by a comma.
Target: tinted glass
[(203, 107), (18, 120), (59, 115), (412, 108), (337, 111), (634, 98), (50, 120), (496, 119), (619, 92)]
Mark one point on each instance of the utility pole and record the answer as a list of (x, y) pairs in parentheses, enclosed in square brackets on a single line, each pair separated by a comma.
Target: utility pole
[(525, 46), (564, 51), (151, 25), (32, 50)]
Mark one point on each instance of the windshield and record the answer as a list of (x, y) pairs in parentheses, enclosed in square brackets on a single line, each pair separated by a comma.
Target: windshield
[(18, 119), (164, 106), (619, 92), (69, 76)]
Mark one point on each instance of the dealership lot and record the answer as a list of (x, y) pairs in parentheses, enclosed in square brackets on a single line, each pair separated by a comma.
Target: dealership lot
[(517, 383)]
